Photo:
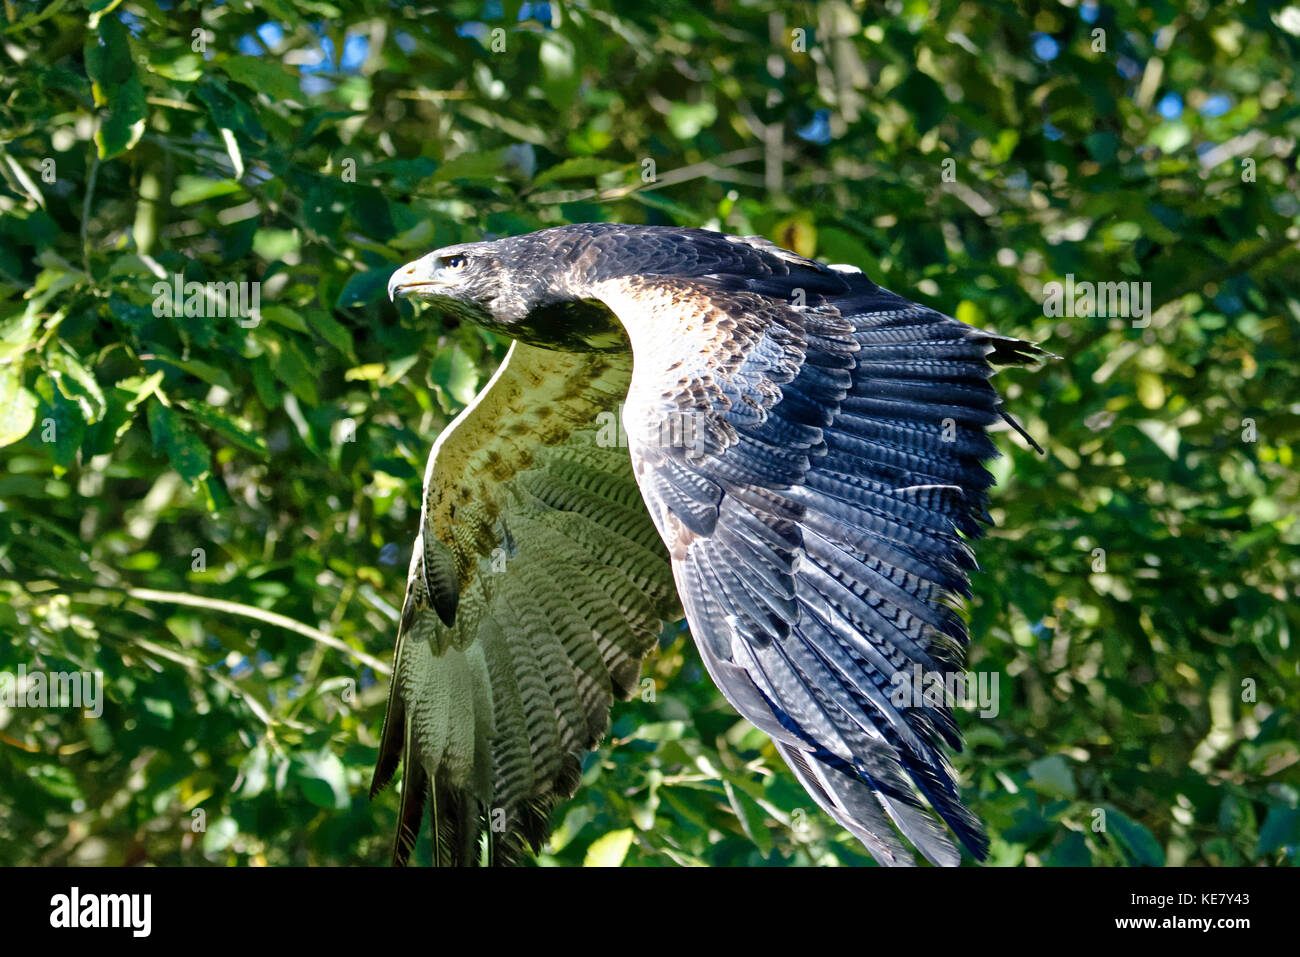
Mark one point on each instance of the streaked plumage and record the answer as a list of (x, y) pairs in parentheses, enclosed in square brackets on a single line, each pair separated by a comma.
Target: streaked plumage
[(802, 470)]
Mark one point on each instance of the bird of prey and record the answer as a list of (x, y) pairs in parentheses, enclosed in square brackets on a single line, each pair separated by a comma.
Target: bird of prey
[(798, 470)]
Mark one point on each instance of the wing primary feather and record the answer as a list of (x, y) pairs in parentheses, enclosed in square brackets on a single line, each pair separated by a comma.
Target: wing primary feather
[(410, 811), (392, 738)]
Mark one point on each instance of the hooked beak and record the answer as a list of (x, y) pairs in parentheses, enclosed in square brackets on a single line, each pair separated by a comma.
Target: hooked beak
[(412, 277)]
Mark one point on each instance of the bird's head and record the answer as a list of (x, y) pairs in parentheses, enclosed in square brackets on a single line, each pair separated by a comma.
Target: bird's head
[(522, 286), (467, 279)]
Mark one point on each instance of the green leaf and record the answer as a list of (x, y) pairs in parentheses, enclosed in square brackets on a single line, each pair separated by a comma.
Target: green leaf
[(1072, 851), (24, 181), (1052, 776), (62, 426), (213, 375), (370, 372), (232, 429), (454, 372), (263, 75), (924, 98), (473, 165), (120, 130), (686, 120), (108, 58), (171, 436), (752, 819), (364, 288), (609, 850), (1141, 845), (578, 167), (556, 55), (229, 112), (195, 189), (220, 834), (333, 332), (264, 383), (284, 316), (18, 332), (396, 370), (294, 369), (115, 85), (1101, 146), (76, 383), (57, 782), (140, 387), (253, 771), (324, 206), (658, 731), (1281, 825), (1171, 136), (17, 406), (323, 779), (160, 708)]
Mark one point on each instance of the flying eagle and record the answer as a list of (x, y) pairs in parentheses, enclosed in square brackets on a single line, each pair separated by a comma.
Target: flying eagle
[(798, 471)]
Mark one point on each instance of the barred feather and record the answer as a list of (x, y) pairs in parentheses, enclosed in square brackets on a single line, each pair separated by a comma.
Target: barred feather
[(811, 507)]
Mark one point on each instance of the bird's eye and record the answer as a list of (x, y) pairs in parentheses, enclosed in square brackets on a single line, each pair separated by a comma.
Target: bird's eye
[(455, 262)]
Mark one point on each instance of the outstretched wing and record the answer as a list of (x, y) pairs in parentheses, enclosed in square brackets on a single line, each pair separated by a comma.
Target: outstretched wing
[(809, 446), (536, 586)]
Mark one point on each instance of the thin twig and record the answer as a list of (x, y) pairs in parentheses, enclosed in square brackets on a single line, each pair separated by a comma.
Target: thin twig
[(260, 614), (85, 211)]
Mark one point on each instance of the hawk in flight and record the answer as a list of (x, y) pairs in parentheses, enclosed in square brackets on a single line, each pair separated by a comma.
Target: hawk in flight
[(800, 475)]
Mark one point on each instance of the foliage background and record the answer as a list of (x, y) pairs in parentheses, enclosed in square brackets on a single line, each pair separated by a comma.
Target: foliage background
[(315, 146)]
